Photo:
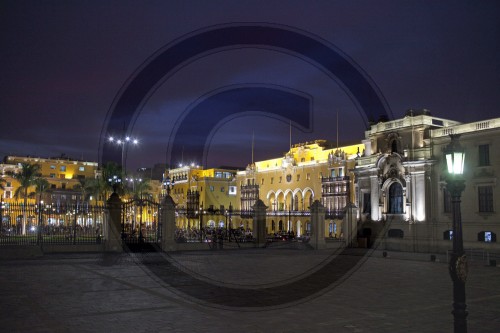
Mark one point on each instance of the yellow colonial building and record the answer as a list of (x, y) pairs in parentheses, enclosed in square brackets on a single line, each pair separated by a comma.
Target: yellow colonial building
[(288, 186), (210, 191), (63, 175)]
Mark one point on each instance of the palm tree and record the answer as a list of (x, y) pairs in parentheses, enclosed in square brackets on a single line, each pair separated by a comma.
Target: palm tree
[(139, 188), (41, 186), (83, 186), (26, 178), (2, 187)]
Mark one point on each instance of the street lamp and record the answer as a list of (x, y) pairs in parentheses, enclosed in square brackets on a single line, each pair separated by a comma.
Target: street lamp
[(123, 142), (114, 181), (455, 184), (168, 184)]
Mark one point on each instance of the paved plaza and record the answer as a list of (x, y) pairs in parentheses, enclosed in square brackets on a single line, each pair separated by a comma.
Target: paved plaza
[(242, 290)]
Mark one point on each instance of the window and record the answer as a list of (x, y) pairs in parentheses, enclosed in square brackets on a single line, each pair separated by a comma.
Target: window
[(8, 184), (448, 235), (8, 194), (262, 181), (312, 158), (308, 176), (487, 237), (302, 159), (341, 172), (298, 177), (63, 186), (396, 199), (222, 189), (211, 188), (484, 155), (82, 168), (52, 175), (232, 190), (63, 168), (366, 203), (446, 201), (53, 167), (485, 196), (280, 179), (272, 180)]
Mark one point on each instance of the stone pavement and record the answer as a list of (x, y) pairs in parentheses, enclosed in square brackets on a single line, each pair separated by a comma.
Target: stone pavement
[(246, 290)]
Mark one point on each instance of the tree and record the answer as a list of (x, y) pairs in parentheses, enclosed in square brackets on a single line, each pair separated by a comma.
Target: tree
[(26, 178), (137, 189), (85, 187), (41, 186)]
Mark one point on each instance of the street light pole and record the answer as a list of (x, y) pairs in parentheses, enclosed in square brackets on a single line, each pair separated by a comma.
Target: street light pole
[(458, 268), (123, 142)]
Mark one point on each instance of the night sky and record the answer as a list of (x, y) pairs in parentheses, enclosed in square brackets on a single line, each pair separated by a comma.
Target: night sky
[(64, 63)]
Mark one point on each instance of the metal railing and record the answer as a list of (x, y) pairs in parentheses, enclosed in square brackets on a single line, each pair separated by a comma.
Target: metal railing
[(51, 224)]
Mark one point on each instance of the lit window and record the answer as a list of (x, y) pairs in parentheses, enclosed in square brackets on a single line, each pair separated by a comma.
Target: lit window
[(52, 166), (395, 199), (82, 168), (63, 168), (211, 188)]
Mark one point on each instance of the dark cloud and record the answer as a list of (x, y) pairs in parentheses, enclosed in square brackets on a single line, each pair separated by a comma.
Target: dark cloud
[(63, 64)]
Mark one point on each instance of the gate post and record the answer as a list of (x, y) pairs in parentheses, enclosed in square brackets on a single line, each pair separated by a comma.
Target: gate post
[(259, 222), (167, 218), (318, 225), (112, 225), (349, 225)]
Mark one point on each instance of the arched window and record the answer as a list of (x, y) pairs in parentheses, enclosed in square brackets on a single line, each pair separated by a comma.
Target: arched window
[(280, 225), (396, 199)]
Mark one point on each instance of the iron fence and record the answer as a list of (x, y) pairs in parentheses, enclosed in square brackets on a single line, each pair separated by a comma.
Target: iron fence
[(71, 223)]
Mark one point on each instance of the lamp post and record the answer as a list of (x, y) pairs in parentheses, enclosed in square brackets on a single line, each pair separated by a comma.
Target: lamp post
[(455, 184), (123, 143), (168, 184), (114, 181)]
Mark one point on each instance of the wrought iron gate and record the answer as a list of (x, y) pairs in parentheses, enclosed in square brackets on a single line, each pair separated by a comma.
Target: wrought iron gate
[(141, 227)]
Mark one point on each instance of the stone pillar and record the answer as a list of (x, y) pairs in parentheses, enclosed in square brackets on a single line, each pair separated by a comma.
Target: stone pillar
[(350, 225), (112, 226), (167, 219), (318, 225), (259, 222)]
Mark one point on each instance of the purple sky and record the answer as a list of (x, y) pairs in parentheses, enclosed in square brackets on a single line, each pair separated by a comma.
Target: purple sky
[(62, 63)]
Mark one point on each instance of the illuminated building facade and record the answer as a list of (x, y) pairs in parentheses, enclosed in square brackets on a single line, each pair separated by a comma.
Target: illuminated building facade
[(211, 191), (288, 186), (400, 183), (63, 174)]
